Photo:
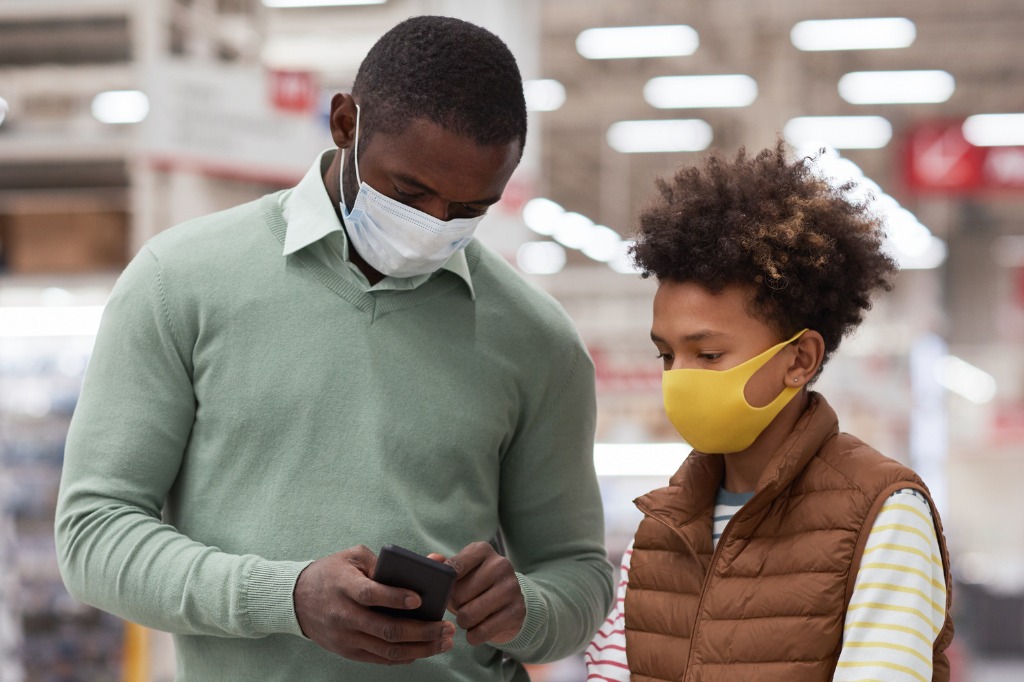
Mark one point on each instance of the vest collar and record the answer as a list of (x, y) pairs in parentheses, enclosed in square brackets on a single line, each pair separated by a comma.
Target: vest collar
[(691, 490)]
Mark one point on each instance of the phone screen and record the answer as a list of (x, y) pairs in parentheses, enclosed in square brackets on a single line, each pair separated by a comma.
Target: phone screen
[(432, 580)]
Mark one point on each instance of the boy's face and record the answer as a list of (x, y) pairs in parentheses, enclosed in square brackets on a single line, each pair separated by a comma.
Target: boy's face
[(696, 329)]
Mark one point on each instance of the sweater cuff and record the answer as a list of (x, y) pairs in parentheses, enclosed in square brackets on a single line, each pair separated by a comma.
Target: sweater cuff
[(536, 618), (270, 597)]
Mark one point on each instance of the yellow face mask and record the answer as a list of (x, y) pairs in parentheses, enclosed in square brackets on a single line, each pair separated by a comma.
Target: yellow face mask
[(710, 411)]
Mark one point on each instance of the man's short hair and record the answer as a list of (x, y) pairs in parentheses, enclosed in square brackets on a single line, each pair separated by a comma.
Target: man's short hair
[(451, 72)]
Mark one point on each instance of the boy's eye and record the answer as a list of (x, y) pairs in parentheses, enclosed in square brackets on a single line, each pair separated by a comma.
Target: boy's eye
[(709, 357)]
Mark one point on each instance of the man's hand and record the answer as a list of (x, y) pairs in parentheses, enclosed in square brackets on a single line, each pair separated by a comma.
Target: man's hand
[(332, 600), (487, 601)]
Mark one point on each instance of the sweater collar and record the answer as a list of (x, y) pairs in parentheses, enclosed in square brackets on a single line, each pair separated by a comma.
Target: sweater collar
[(691, 490)]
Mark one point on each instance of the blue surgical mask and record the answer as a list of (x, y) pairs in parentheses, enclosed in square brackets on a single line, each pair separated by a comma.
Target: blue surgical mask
[(395, 239)]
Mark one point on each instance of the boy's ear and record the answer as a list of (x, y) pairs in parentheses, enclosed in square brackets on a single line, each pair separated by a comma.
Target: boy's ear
[(810, 352)]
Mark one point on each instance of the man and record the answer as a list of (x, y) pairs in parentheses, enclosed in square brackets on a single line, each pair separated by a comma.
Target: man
[(337, 367)]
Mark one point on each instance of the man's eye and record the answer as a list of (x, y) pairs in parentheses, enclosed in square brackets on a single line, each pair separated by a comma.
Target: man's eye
[(406, 195)]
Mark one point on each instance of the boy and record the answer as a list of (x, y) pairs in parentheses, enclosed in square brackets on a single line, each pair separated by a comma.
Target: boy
[(782, 549)]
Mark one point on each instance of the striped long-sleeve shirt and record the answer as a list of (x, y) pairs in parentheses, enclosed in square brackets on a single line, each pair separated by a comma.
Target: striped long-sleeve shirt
[(896, 611)]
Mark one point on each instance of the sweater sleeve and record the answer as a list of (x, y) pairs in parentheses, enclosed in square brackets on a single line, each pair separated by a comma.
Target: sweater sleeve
[(899, 598), (552, 517), (606, 654), (125, 446)]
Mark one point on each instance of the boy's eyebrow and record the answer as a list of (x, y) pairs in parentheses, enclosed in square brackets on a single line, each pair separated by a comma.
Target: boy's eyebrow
[(702, 335), (430, 190)]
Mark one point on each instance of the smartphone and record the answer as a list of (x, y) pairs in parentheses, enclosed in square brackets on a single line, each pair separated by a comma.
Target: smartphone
[(432, 580)]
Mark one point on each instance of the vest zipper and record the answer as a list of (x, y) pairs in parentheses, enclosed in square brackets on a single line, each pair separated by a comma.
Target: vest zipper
[(711, 566)]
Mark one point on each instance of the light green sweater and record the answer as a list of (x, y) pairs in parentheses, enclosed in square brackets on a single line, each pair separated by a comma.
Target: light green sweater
[(245, 413)]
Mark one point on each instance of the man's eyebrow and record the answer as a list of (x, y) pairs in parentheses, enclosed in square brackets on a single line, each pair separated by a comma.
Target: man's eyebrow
[(409, 180)]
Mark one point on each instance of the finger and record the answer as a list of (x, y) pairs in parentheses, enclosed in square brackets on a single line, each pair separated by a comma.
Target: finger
[(402, 630), (469, 558), (366, 592), (496, 570), (396, 652), (439, 558), (499, 628)]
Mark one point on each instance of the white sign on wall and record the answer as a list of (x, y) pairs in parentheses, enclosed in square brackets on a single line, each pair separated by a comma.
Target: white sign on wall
[(228, 120)]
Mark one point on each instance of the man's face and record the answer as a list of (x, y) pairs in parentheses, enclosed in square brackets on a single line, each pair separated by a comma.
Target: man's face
[(443, 174)]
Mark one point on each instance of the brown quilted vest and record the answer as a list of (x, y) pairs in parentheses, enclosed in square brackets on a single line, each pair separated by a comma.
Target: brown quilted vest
[(769, 603)]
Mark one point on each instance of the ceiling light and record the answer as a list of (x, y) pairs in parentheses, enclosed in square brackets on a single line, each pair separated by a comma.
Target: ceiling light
[(623, 261), (896, 87), (637, 41), (603, 244), (320, 3), (540, 258), (688, 92), (544, 94), (966, 380), (38, 321), (573, 229), (542, 216), (853, 34), (3, 110), (120, 106), (995, 130), (841, 132), (680, 135), (639, 459)]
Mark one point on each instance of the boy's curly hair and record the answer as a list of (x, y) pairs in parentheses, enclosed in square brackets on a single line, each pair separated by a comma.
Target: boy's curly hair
[(812, 254)]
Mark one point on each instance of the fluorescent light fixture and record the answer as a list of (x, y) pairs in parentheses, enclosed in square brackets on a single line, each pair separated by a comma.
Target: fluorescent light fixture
[(622, 262), (995, 130), (543, 94), (120, 106), (841, 132), (542, 216), (319, 3), (680, 135), (639, 459), (853, 34), (3, 110), (690, 92), (897, 87), (540, 258), (573, 230), (966, 380), (40, 321), (637, 41), (603, 244)]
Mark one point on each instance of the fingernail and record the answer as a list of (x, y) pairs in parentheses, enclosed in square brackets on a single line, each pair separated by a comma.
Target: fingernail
[(411, 602), (448, 629), (446, 644)]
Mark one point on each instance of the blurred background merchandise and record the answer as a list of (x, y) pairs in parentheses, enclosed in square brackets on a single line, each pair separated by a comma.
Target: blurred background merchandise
[(120, 118)]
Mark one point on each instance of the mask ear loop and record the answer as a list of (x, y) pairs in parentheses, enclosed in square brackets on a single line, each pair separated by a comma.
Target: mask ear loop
[(355, 157)]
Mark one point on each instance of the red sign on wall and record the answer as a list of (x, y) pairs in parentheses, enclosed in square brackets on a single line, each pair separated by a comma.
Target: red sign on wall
[(295, 92), (939, 159)]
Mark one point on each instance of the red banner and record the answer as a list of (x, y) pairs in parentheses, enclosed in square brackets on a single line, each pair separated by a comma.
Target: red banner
[(939, 159)]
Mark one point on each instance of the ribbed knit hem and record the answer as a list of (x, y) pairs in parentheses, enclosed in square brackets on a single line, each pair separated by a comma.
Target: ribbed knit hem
[(536, 618), (270, 596)]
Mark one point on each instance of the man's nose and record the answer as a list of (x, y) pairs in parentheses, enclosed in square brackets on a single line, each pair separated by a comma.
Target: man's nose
[(436, 207)]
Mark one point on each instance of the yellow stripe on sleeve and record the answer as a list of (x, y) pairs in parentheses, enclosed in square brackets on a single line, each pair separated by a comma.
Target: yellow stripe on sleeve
[(904, 548), (894, 647), (898, 609), (941, 608), (888, 626), (906, 569), (884, 664), (906, 507)]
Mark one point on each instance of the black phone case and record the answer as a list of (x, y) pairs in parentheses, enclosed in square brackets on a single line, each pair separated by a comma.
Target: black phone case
[(433, 581)]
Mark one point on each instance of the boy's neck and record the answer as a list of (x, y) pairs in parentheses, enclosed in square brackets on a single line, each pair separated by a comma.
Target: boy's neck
[(743, 469)]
